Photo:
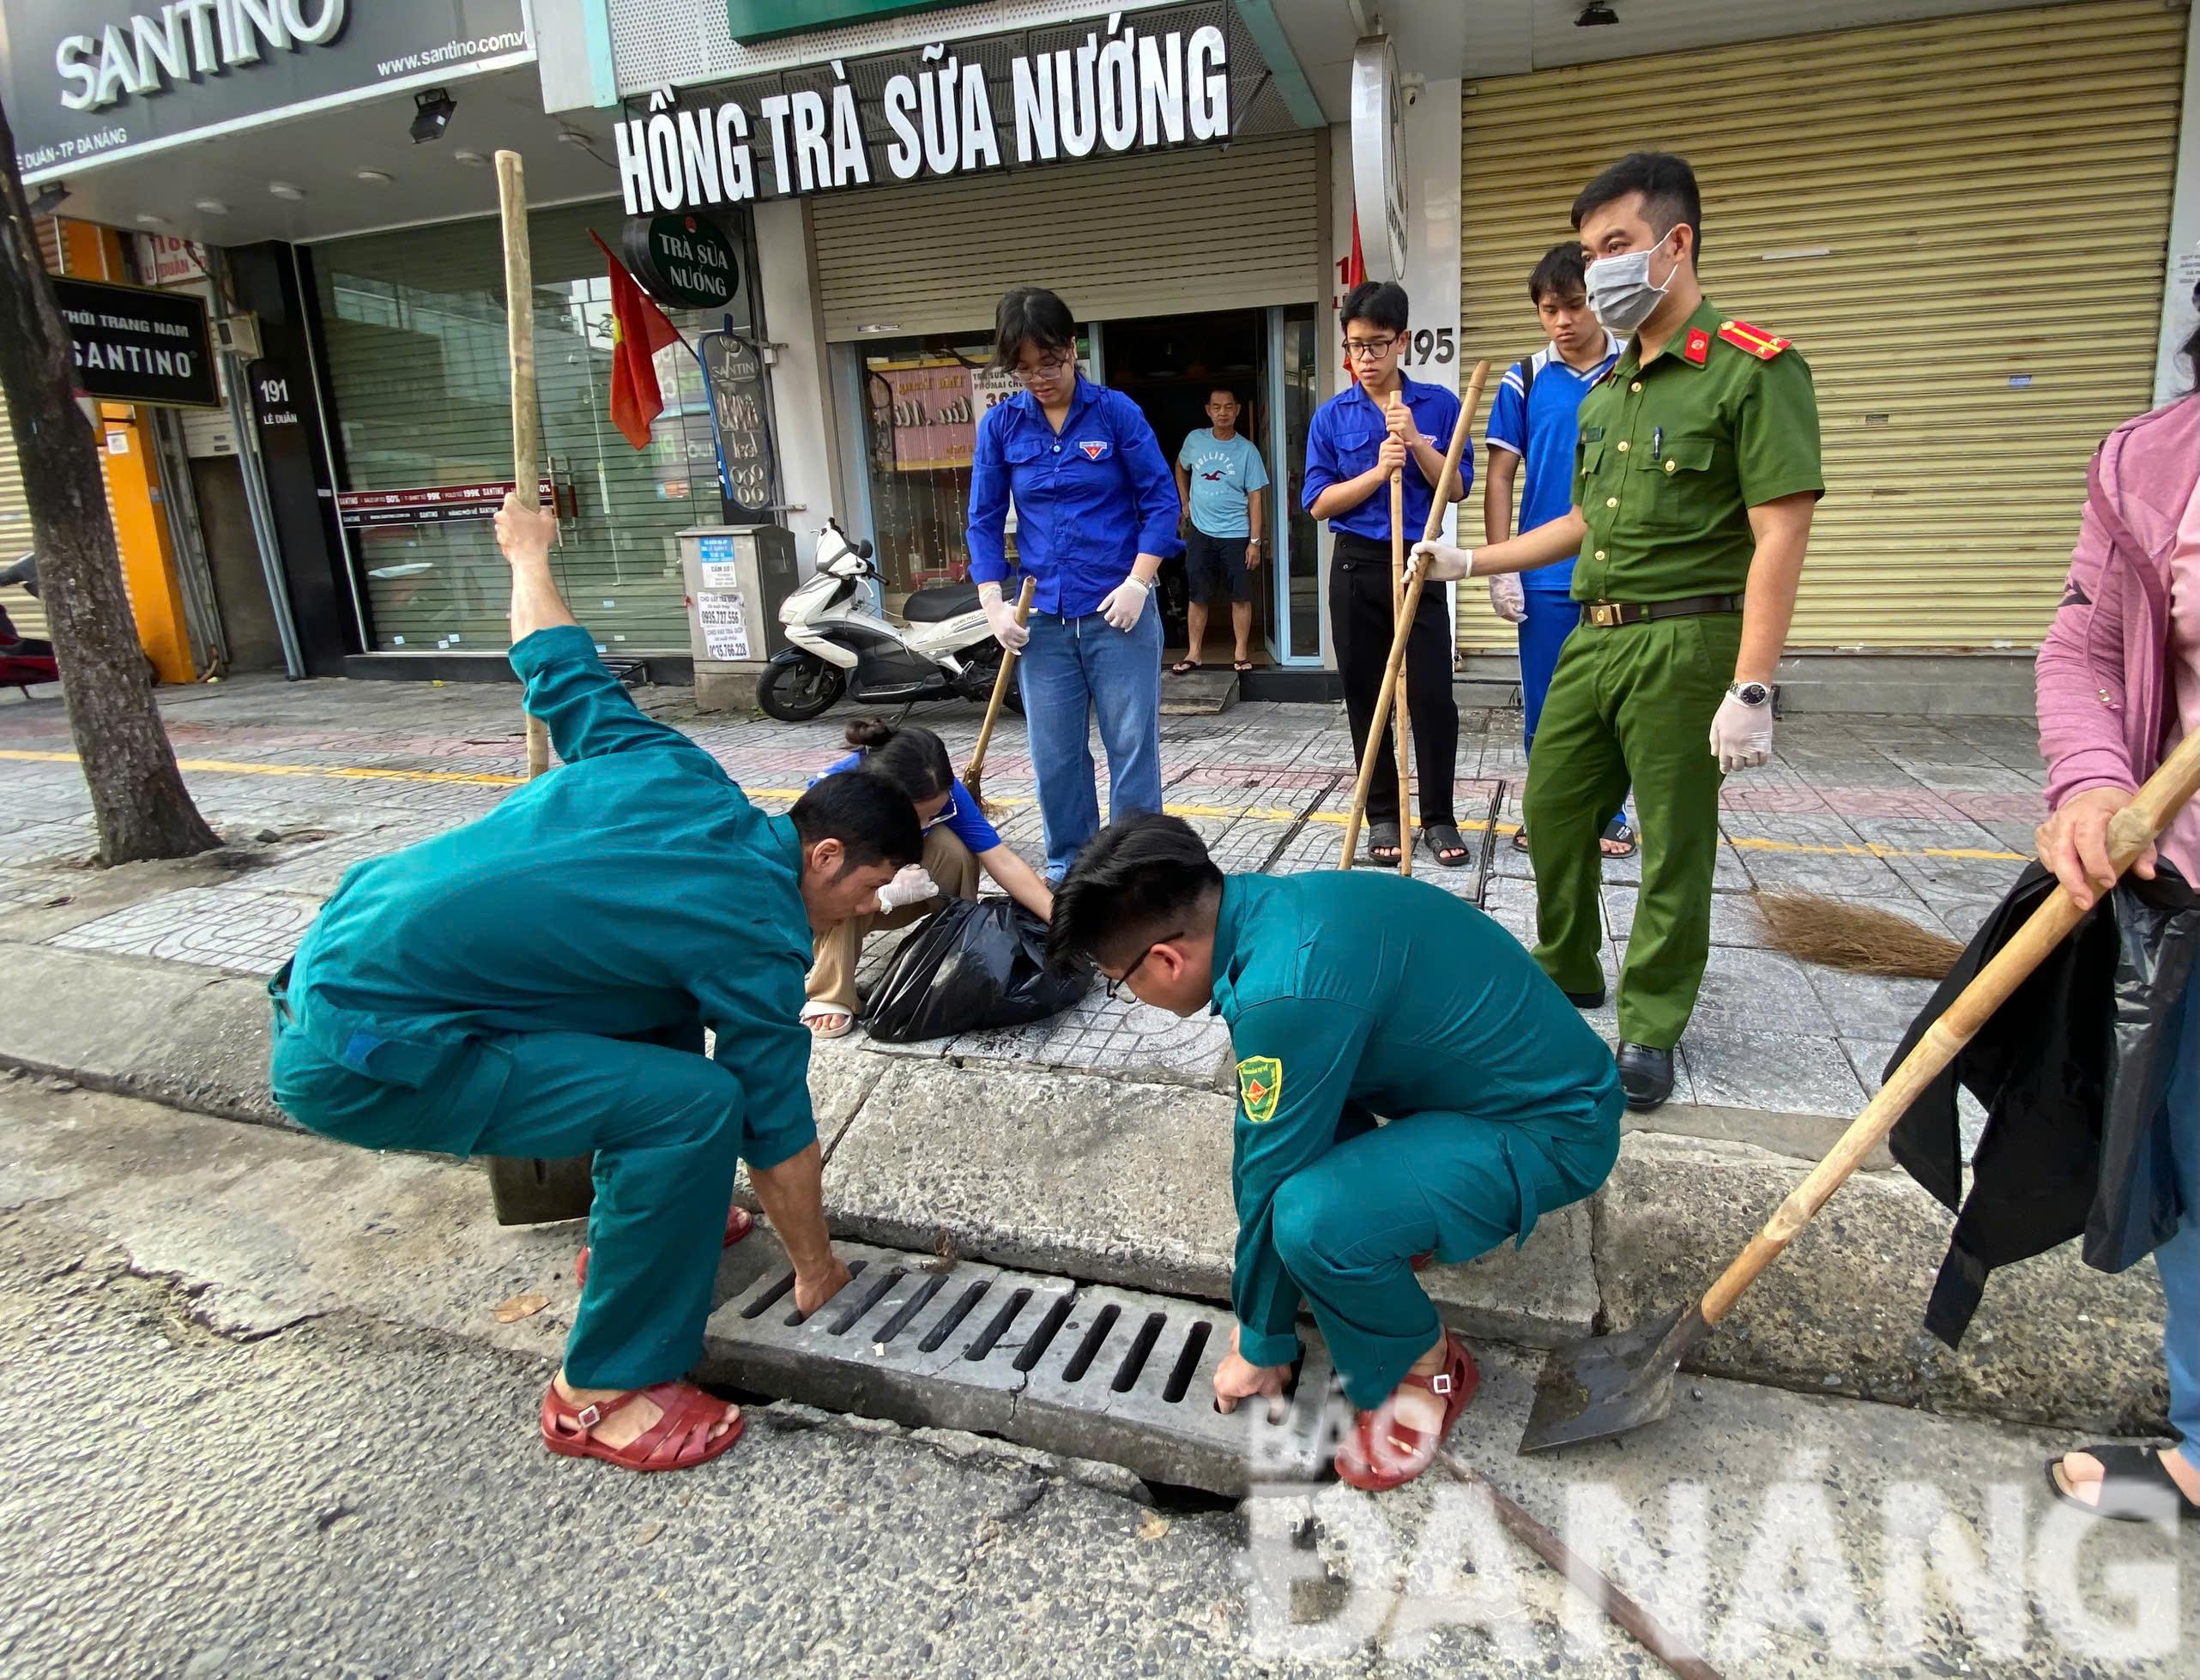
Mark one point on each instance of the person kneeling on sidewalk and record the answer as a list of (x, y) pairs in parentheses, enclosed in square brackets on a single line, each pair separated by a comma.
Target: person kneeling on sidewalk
[(538, 983), (1408, 1081), (959, 842)]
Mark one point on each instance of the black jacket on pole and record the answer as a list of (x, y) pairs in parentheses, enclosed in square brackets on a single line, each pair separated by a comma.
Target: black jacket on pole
[(2072, 1071)]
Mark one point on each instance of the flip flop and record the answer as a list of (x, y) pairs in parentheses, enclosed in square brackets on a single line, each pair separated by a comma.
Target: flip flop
[(1379, 1452), (678, 1439), (1443, 838), (1183, 667), (1520, 840), (818, 1009), (2134, 1486), (1618, 829), (1242, 666), (1384, 838), (737, 1225)]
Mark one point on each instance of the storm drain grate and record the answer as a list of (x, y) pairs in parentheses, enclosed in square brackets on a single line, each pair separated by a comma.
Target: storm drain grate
[(1100, 1373)]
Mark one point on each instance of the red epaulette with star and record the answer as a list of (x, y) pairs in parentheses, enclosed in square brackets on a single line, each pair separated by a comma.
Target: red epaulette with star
[(1757, 342)]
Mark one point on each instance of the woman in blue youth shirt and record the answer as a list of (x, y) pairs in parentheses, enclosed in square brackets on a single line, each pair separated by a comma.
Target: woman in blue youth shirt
[(1096, 515)]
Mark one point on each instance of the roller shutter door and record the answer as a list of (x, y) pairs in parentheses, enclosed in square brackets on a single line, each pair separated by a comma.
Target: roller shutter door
[(1961, 223), (1216, 227)]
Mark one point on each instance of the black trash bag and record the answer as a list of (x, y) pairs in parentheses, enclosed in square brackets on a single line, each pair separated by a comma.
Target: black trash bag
[(977, 964)]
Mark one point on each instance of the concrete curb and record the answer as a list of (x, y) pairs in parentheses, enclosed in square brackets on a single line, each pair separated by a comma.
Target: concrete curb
[(1121, 1182)]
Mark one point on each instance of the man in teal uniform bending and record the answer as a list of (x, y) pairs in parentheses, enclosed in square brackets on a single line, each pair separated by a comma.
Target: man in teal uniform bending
[(538, 983), (1408, 1081)]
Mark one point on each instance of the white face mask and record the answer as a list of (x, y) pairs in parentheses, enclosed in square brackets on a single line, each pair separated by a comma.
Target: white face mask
[(1620, 289)]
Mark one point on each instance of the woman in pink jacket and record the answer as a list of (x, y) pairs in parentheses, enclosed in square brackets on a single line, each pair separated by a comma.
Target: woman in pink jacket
[(2119, 685)]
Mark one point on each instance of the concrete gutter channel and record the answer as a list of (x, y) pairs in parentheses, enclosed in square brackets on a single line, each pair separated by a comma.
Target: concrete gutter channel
[(1035, 1177)]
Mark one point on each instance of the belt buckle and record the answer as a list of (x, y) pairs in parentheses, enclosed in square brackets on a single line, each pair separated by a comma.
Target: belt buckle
[(1604, 614)]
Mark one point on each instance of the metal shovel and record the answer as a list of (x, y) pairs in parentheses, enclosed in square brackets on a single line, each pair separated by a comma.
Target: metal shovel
[(1608, 1385)]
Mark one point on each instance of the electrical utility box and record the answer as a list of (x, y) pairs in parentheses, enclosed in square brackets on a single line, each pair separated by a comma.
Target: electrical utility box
[(735, 576)]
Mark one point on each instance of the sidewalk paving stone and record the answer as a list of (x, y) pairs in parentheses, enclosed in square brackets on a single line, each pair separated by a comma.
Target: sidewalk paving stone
[(238, 928)]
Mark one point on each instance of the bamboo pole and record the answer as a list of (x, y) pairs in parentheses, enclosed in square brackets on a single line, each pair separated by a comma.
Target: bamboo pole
[(1399, 621), (973, 777), (526, 417)]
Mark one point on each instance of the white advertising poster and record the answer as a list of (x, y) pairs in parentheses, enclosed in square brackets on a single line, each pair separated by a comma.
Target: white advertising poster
[(724, 617)]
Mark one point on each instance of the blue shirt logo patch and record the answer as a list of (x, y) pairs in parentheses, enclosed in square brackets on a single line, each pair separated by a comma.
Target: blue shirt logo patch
[(1094, 449)]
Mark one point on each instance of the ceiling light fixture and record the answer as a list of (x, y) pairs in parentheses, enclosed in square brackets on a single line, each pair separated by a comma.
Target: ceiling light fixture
[(147, 219), (471, 160), (572, 137), (432, 114), (379, 177), (284, 190), (213, 207), (1595, 13)]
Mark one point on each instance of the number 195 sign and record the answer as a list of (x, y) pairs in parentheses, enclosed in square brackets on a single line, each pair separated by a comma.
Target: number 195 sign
[(1436, 347)]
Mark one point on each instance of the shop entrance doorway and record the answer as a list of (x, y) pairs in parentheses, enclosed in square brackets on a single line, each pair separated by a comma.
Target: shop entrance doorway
[(1264, 357)]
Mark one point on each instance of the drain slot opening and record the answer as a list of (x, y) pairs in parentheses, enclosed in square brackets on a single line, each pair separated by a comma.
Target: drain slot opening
[(1096, 1337), (878, 1292), (1180, 1380), (1141, 1351), (956, 1314), (995, 1331), (854, 1270), (770, 1298), (1035, 1349), (916, 1304)]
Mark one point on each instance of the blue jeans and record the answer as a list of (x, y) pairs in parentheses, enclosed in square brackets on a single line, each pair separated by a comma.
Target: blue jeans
[(1551, 617), (1072, 671), (2179, 1259)]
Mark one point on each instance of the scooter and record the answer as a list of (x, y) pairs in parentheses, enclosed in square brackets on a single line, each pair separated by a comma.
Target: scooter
[(24, 660), (844, 645)]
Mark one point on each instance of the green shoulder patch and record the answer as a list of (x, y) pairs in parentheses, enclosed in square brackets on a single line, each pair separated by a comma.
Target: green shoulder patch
[(1260, 1084)]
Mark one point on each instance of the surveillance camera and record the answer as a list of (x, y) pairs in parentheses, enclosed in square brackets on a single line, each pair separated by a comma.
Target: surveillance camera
[(1412, 96)]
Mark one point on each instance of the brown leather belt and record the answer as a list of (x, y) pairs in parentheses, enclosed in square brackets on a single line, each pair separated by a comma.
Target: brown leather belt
[(1604, 614)]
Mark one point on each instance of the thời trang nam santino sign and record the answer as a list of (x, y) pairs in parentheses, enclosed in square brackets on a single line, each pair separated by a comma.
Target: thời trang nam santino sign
[(931, 115)]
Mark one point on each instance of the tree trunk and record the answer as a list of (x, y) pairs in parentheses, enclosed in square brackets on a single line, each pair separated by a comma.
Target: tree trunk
[(138, 799)]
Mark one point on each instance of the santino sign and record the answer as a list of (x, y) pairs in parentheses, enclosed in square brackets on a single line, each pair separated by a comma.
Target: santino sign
[(187, 40), (1128, 91)]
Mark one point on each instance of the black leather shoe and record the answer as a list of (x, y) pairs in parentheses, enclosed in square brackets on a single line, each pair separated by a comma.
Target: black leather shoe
[(1646, 1075), (1586, 1000)]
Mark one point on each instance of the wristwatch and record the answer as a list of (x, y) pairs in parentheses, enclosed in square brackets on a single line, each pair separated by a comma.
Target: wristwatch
[(1750, 693)]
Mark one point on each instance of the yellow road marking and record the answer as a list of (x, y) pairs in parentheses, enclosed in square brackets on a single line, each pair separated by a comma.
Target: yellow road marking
[(1258, 812)]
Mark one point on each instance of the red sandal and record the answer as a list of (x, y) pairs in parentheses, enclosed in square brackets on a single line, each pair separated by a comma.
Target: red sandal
[(737, 1225), (678, 1439), (1369, 1459)]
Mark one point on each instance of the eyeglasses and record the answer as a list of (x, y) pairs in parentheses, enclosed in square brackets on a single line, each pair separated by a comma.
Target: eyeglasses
[(1047, 368), (1364, 349), (947, 813), (1116, 986)]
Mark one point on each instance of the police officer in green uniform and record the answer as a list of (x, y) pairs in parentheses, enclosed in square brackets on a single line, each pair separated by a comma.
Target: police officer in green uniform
[(538, 982), (1409, 1082), (1696, 475)]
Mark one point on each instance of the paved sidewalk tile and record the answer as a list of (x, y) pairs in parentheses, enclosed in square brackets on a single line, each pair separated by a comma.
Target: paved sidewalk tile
[(215, 927)]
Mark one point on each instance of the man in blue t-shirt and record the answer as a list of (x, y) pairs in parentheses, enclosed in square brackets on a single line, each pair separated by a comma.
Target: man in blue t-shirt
[(1219, 479), (1534, 422)]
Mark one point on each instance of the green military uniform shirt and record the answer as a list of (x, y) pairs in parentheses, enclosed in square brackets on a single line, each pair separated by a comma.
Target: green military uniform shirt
[(632, 889), (1393, 996), (1673, 456)]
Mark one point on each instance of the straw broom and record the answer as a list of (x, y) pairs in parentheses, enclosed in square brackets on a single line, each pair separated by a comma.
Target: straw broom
[(1860, 938)]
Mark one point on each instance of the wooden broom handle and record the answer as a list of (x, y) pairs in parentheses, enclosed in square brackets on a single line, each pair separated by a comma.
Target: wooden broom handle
[(2129, 831), (1438, 503), (1001, 684), (519, 338), (1400, 621)]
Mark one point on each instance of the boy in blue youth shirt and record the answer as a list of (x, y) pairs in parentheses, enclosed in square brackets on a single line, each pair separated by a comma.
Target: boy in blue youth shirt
[(1386, 422), (1534, 422), (1219, 477)]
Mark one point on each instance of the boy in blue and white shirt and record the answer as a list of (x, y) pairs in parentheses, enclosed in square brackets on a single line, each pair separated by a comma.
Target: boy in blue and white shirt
[(1534, 421)]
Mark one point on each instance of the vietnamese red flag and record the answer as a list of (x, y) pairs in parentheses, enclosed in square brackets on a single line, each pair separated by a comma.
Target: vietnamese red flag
[(638, 331)]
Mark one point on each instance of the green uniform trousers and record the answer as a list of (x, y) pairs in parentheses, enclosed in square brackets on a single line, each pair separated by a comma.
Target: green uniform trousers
[(1347, 1227), (663, 1120), (1631, 704)]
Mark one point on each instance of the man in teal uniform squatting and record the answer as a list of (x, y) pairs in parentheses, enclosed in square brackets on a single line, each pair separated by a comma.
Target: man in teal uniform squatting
[(538, 982), (1408, 1081)]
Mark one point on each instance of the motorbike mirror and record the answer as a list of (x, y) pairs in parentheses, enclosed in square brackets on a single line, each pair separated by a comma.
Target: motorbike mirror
[(864, 550)]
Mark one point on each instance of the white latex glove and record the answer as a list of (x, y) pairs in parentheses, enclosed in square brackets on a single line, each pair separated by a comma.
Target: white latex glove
[(1445, 564), (1002, 617), (912, 886), (1508, 599), (1126, 603), (1741, 736)]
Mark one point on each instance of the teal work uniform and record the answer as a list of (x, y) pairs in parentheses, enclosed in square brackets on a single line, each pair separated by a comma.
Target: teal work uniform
[(1673, 454), (537, 983), (1352, 998)]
